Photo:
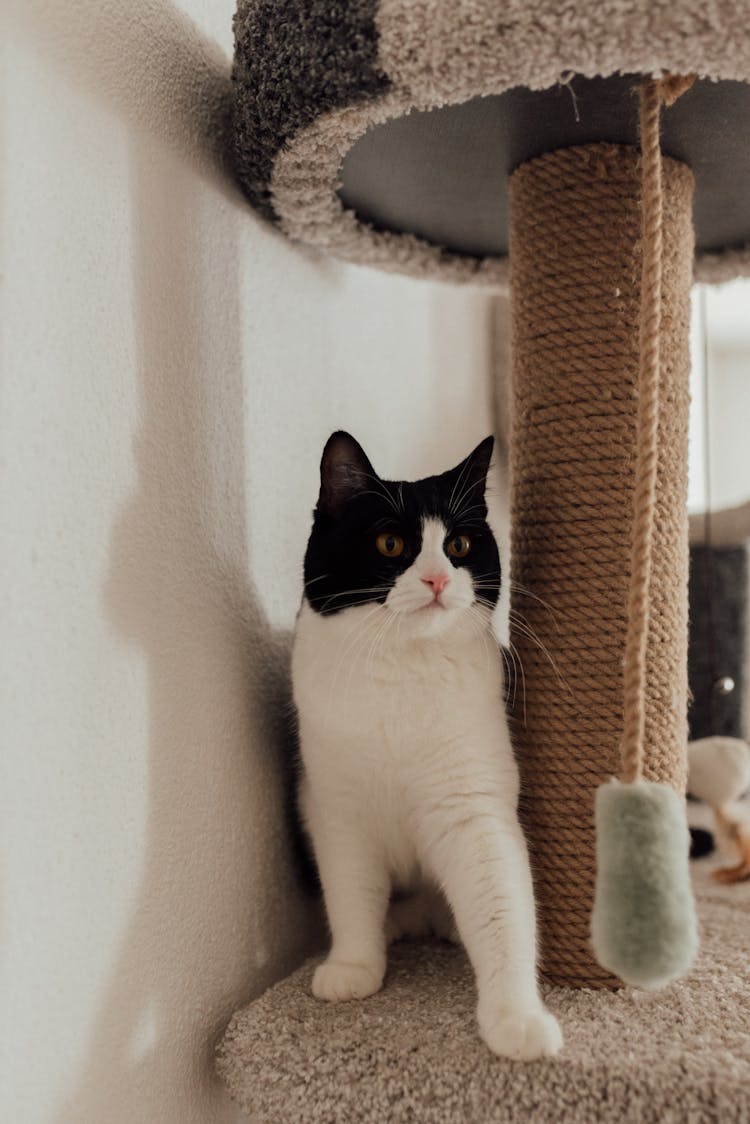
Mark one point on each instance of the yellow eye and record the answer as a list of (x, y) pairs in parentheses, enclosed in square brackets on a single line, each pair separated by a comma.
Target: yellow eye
[(459, 546), (390, 545)]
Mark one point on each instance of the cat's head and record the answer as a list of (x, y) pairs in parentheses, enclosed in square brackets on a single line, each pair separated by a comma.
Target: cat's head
[(421, 550)]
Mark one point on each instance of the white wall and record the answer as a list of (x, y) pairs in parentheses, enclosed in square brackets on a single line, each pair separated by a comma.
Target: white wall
[(170, 370)]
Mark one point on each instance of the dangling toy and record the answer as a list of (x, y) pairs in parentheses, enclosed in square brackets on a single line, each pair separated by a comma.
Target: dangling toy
[(643, 924)]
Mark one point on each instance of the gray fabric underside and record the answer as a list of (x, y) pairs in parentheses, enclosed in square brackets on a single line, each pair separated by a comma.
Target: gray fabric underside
[(411, 1053), (443, 175)]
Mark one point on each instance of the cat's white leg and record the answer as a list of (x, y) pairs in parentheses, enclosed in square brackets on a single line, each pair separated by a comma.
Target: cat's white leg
[(356, 888), (442, 921), (483, 866)]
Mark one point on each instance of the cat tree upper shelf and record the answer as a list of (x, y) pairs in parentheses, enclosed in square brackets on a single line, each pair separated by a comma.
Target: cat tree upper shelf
[(385, 132)]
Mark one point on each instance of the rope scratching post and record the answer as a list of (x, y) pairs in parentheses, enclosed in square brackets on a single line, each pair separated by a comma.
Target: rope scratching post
[(576, 253)]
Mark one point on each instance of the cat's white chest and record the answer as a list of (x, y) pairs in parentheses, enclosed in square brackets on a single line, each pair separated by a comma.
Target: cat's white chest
[(390, 739), (396, 700)]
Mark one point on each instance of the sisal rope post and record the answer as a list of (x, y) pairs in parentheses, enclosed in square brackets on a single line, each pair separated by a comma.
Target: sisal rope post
[(577, 270)]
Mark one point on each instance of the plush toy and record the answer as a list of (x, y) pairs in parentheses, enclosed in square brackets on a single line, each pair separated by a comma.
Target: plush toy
[(719, 773)]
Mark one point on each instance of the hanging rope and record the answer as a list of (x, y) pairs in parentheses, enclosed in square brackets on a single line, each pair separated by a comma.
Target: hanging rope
[(652, 93)]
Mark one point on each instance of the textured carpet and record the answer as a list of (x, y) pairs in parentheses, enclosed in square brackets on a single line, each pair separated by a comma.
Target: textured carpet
[(411, 1053)]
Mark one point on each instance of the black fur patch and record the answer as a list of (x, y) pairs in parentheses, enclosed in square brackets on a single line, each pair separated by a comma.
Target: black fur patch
[(343, 566), (701, 843)]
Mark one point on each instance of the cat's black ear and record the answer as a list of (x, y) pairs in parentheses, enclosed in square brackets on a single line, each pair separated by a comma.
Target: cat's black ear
[(344, 472), (471, 473)]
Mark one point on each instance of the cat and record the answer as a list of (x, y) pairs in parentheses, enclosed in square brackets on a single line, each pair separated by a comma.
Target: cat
[(408, 786)]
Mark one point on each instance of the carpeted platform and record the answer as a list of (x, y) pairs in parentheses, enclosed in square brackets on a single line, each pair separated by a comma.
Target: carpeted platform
[(384, 131), (411, 1053)]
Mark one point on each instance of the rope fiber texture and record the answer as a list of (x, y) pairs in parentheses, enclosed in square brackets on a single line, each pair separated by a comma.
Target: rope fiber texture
[(652, 93), (576, 257)]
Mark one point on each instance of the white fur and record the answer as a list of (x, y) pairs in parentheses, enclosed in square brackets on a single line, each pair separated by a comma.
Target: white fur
[(718, 769), (410, 785)]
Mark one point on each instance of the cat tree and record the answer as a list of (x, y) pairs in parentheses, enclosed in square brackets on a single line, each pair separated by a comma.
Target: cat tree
[(447, 139)]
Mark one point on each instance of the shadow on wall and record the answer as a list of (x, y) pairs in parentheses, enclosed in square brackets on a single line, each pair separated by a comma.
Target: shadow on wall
[(218, 913), (145, 59)]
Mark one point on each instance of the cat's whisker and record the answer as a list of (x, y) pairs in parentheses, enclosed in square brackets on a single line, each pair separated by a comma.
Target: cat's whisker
[(353, 656), (520, 624), (359, 630), (399, 619), (469, 524), (384, 521), (312, 581), (350, 641), (377, 642), (376, 589), (509, 681), (517, 656), (391, 623), (484, 600), (382, 495), (480, 627), (369, 641), (510, 663), (478, 482), (470, 487), (516, 587), (374, 638), (468, 465), (464, 468), (382, 490), (515, 676), (461, 516)]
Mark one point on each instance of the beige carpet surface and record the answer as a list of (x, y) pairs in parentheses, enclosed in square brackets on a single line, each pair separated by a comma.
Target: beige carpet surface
[(411, 1053)]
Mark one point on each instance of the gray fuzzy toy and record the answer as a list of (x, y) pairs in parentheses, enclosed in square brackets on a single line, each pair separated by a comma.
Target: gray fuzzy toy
[(643, 925)]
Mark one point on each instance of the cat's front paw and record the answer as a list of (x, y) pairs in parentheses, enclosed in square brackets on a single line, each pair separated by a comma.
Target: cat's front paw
[(336, 980), (521, 1034)]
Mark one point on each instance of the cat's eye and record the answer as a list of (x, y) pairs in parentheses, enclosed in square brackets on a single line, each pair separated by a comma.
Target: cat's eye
[(390, 545), (459, 546)]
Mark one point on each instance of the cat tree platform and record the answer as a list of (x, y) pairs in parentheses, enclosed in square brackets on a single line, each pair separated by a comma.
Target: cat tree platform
[(384, 131), (411, 1052)]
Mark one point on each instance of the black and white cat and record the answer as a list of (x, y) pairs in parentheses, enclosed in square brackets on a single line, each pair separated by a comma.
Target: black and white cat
[(409, 786)]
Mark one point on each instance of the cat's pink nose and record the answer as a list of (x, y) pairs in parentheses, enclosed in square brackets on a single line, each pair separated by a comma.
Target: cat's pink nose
[(437, 581)]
